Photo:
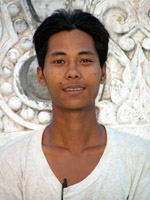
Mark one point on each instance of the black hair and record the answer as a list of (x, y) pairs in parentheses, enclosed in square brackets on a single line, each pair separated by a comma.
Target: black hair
[(62, 20)]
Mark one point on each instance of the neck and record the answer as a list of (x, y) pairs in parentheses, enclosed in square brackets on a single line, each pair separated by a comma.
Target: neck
[(74, 129)]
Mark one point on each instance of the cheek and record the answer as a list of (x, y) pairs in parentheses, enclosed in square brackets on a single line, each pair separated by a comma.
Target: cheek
[(95, 82), (96, 75), (53, 78)]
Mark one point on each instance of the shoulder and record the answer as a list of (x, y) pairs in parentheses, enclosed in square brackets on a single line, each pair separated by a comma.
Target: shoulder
[(131, 152), (129, 143), (20, 143)]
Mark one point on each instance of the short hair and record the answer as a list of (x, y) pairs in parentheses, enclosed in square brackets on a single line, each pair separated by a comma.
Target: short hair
[(62, 20)]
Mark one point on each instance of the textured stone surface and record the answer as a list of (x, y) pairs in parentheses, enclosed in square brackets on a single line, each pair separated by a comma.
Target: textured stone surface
[(125, 103)]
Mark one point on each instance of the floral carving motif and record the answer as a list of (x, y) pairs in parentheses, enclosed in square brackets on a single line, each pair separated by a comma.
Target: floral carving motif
[(129, 44)]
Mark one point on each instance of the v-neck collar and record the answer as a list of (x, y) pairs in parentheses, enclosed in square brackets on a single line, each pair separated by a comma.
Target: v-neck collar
[(80, 186)]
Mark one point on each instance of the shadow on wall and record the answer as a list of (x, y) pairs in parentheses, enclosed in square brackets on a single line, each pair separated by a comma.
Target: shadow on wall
[(29, 81)]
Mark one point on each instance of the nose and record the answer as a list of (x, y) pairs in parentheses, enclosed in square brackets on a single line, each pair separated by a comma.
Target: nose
[(72, 72)]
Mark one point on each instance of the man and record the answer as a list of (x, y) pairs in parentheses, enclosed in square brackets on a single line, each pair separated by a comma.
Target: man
[(74, 157)]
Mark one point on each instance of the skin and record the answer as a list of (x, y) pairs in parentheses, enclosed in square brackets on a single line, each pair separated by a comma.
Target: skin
[(74, 142)]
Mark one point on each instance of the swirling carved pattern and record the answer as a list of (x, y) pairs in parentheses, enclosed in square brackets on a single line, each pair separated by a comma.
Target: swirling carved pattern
[(131, 91), (19, 107)]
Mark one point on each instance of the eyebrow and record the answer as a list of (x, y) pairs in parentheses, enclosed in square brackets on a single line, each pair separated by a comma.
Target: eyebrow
[(86, 53), (59, 53)]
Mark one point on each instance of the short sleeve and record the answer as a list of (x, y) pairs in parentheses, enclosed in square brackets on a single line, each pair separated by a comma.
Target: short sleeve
[(10, 180), (141, 184)]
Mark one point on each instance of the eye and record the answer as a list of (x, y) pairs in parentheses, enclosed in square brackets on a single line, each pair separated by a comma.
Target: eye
[(59, 61), (86, 60)]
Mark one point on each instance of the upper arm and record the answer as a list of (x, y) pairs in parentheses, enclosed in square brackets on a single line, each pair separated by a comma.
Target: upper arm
[(141, 182), (10, 180)]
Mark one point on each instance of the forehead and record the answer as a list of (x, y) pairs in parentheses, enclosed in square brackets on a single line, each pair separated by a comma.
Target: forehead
[(71, 41)]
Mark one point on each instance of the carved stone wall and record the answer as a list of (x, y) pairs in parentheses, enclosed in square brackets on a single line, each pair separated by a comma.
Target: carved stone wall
[(125, 103)]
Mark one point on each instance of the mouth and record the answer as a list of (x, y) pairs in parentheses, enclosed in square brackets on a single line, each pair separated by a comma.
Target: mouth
[(74, 89)]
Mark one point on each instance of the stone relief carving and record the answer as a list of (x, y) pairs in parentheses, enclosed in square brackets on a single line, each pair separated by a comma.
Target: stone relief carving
[(126, 96), (129, 88)]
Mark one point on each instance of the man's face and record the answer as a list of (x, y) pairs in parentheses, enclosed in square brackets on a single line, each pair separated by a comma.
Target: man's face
[(72, 70)]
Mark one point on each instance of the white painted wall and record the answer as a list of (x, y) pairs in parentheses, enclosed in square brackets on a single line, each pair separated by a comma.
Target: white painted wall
[(125, 103)]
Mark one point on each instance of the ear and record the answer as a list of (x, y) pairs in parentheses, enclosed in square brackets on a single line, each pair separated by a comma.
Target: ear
[(103, 76), (40, 76)]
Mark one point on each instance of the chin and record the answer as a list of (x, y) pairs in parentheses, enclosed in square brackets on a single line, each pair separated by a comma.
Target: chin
[(74, 105), (79, 107)]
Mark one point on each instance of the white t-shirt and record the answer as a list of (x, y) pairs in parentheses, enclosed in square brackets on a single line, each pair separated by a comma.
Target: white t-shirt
[(122, 173)]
